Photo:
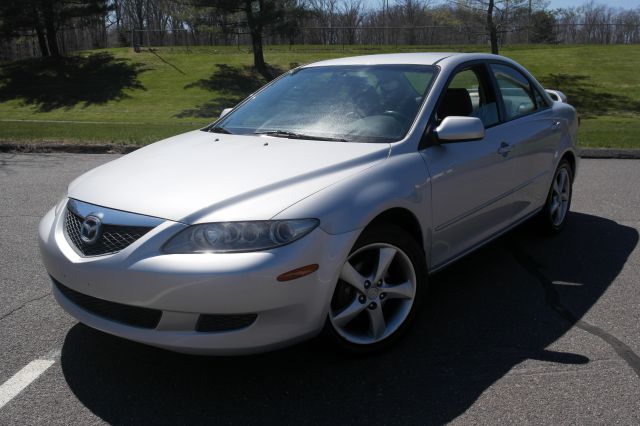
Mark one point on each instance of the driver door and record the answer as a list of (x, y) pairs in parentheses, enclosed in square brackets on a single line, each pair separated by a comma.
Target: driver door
[(469, 186)]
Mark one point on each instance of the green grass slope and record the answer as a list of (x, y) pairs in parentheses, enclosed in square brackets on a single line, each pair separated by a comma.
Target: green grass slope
[(118, 96)]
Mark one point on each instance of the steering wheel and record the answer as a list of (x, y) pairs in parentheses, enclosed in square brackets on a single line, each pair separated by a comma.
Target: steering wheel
[(395, 114), (399, 117)]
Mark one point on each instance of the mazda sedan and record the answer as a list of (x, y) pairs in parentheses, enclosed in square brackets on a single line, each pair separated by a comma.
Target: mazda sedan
[(319, 205)]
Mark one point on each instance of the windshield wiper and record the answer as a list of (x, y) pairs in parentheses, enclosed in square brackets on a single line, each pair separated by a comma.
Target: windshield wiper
[(294, 135), (219, 129)]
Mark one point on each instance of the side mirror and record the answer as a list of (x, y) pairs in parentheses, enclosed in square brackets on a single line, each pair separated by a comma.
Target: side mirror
[(460, 129), (557, 96), (225, 112)]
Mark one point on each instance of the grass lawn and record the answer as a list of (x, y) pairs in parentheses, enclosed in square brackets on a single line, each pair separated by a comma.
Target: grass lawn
[(118, 96)]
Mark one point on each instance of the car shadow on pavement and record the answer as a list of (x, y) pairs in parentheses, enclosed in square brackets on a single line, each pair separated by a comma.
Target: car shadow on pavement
[(499, 307)]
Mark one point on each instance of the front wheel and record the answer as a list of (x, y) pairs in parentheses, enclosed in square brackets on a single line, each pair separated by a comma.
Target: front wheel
[(378, 292)]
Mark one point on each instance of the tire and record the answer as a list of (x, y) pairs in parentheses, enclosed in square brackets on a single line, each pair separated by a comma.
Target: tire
[(553, 216), (379, 291)]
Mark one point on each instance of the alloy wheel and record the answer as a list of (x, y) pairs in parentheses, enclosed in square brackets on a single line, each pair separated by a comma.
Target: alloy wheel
[(374, 295), (560, 196)]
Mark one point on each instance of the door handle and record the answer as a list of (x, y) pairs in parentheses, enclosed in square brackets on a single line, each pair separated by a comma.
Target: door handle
[(556, 125), (504, 149)]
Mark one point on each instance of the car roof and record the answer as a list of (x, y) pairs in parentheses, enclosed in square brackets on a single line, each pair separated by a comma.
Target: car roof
[(426, 58)]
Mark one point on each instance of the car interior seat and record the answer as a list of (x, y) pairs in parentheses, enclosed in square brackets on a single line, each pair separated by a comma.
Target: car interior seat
[(456, 102)]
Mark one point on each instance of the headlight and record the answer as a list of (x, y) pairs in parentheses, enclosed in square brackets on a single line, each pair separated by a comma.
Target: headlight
[(225, 237)]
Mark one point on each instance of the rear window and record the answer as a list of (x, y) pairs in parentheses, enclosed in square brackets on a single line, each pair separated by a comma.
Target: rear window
[(517, 93)]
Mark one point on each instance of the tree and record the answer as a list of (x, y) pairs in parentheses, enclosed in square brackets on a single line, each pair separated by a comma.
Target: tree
[(352, 16), (258, 14), (325, 13), (45, 18), (542, 27), (295, 13), (492, 28), (499, 14), (24, 16)]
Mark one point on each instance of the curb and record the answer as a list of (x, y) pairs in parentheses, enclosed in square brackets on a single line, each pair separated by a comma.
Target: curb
[(50, 147), (618, 153)]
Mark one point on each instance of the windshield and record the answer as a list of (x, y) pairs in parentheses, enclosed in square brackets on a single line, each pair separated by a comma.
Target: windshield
[(372, 103)]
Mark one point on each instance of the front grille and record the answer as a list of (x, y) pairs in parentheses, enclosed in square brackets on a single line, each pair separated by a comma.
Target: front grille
[(113, 238), (212, 323), (129, 315)]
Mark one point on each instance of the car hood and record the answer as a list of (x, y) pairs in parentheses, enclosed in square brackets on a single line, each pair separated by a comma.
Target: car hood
[(202, 177)]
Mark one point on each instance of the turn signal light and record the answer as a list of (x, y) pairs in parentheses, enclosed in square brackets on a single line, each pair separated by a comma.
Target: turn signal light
[(298, 272)]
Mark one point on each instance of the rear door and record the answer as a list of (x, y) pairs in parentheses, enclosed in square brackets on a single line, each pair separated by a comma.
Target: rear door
[(529, 134)]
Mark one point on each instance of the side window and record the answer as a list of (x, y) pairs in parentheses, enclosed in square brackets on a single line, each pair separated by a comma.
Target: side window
[(517, 93), (467, 95)]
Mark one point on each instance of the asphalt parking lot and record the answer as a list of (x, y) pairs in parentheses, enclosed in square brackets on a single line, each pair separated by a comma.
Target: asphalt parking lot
[(529, 329)]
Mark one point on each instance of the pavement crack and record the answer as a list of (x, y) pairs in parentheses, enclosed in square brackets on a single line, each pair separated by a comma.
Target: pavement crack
[(14, 310), (552, 298)]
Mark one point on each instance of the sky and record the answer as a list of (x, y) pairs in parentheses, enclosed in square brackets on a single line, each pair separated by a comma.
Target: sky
[(556, 4), (627, 4)]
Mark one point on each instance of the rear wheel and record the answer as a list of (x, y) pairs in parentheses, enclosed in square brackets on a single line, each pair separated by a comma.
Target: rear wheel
[(555, 211), (379, 290)]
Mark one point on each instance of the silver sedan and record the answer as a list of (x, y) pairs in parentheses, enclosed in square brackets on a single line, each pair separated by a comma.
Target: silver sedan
[(319, 205)]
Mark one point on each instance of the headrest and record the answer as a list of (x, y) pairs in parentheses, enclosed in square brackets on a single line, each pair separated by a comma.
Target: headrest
[(456, 102)]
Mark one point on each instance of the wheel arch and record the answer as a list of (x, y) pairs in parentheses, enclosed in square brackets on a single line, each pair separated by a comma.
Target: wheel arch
[(402, 218), (570, 156)]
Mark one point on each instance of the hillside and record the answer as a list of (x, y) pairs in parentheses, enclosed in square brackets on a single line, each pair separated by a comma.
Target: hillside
[(118, 96)]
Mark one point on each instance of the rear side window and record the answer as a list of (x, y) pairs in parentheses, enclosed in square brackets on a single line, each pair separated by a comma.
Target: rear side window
[(517, 93)]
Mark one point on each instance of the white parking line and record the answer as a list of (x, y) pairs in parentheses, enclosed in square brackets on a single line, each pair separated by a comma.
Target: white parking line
[(22, 379)]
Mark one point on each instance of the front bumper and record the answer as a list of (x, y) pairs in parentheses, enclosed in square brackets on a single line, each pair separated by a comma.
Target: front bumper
[(185, 286)]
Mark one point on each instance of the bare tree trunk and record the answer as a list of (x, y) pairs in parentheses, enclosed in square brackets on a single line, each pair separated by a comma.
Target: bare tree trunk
[(51, 29), (140, 17), (258, 56), (255, 27), (42, 42), (491, 27)]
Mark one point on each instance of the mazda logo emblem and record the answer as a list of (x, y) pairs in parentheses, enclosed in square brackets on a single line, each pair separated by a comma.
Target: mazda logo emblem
[(90, 229)]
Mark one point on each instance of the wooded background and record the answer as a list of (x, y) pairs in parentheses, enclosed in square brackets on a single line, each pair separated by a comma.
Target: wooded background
[(31, 28)]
